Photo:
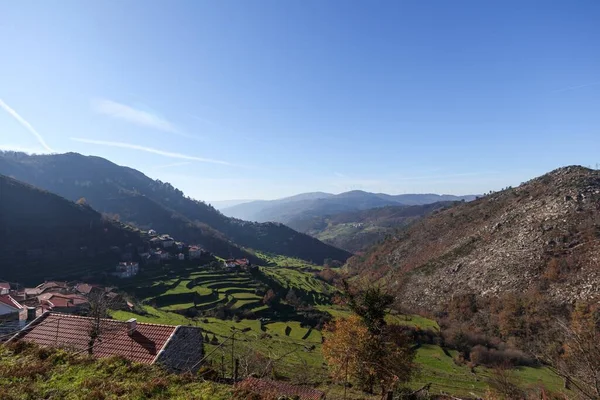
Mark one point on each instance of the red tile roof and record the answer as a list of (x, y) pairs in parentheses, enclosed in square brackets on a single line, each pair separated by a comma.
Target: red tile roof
[(62, 300), (73, 332), (84, 288), (9, 301), (276, 388), (51, 285), (4, 285)]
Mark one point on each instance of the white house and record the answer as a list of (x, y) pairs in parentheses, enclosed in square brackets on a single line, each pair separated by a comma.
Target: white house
[(195, 252), (167, 241), (4, 288), (8, 305), (127, 269), (240, 262), (152, 232), (180, 256)]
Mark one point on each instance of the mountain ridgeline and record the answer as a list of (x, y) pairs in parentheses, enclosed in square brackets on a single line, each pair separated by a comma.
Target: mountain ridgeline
[(132, 197), (43, 235), (318, 204), (542, 236)]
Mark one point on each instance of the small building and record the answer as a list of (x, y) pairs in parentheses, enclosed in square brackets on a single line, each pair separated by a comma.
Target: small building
[(8, 305), (152, 232), (179, 245), (86, 288), (162, 255), (65, 303), (127, 269), (13, 316), (53, 286), (195, 252), (178, 349), (181, 256), (167, 241), (276, 389), (235, 263), (4, 288)]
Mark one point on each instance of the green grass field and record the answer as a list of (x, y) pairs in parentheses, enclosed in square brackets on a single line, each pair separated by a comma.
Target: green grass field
[(435, 366), (297, 348)]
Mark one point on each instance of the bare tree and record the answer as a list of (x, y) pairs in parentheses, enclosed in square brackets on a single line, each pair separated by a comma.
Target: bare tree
[(572, 349), (99, 306)]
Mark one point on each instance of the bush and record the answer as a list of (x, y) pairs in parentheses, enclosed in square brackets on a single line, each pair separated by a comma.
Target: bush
[(494, 357)]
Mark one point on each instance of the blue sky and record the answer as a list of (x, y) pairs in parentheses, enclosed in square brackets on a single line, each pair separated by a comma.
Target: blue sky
[(264, 99)]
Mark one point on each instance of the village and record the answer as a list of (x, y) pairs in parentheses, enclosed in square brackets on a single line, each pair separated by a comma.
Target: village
[(72, 315), (20, 305)]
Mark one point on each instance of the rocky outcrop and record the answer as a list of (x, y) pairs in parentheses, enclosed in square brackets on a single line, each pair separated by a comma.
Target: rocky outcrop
[(544, 234)]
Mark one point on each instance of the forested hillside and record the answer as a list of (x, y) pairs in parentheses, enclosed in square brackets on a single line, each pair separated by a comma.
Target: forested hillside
[(358, 230), (134, 198), (43, 235)]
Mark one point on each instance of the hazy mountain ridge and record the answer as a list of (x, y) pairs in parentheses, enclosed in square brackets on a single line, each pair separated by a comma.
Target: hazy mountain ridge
[(319, 204), (542, 235), (147, 203)]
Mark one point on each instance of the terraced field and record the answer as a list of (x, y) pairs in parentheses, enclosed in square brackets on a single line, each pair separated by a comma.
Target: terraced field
[(202, 290)]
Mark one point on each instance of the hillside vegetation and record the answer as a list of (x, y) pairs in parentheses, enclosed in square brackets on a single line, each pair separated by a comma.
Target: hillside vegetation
[(31, 372), (358, 230), (44, 235), (543, 235), (134, 198)]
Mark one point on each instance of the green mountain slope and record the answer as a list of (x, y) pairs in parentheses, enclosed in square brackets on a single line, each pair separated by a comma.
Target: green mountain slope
[(147, 203), (356, 231)]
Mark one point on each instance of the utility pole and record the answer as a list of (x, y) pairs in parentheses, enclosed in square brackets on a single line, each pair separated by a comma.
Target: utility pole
[(234, 361)]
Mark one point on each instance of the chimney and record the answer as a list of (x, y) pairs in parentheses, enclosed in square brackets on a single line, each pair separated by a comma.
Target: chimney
[(31, 314), (131, 326)]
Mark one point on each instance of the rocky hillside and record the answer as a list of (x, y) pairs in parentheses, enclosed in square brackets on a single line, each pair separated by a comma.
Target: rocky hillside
[(358, 230), (136, 199), (544, 234)]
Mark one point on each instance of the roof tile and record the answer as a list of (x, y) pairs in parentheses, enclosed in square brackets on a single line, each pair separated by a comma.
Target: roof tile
[(73, 332)]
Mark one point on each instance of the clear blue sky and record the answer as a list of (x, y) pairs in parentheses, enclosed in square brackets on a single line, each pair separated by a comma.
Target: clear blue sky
[(263, 99)]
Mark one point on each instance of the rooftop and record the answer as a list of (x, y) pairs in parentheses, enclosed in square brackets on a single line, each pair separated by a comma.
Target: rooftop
[(9, 301), (276, 388), (177, 348)]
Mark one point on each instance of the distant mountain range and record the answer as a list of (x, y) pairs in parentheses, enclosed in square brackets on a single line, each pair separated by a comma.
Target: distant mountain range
[(313, 205), (221, 204), (132, 197), (43, 235)]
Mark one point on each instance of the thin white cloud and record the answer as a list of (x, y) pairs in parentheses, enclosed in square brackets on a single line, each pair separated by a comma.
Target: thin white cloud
[(149, 150), (577, 87), (134, 116), (177, 164), (340, 175), (26, 125)]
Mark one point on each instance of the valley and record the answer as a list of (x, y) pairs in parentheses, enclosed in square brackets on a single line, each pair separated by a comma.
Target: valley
[(269, 314)]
